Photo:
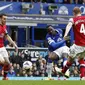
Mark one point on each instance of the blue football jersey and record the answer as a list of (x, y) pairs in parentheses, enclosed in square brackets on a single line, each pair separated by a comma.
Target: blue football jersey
[(56, 39)]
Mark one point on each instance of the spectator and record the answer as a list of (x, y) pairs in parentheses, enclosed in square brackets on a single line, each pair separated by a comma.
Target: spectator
[(23, 73), (36, 73), (50, 1), (11, 72), (1, 0), (66, 1), (17, 70), (58, 1), (12, 0), (83, 2), (77, 1), (76, 71)]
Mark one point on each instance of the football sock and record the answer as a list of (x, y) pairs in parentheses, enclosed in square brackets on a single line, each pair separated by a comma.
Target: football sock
[(1, 65), (49, 68), (6, 68), (82, 68), (66, 67), (56, 60)]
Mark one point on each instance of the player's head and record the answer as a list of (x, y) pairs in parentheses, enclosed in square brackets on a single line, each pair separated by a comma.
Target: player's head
[(3, 18), (51, 30), (76, 11)]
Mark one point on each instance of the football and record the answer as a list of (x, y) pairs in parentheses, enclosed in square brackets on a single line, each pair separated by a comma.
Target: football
[(27, 65)]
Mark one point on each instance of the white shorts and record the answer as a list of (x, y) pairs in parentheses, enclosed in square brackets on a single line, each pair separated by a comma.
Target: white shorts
[(76, 50), (3, 52), (62, 50)]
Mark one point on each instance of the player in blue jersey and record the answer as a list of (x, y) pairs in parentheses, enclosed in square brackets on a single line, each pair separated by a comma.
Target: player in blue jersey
[(57, 47)]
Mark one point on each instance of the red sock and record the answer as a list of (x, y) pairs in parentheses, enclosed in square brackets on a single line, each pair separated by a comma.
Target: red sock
[(66, 67), (81, 61), (82, 71), (6, 68), (82, 68)]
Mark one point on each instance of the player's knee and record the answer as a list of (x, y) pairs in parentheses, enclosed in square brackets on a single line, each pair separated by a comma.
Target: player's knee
[(65, 55), (52, 56), (71, 59), (6, 61)]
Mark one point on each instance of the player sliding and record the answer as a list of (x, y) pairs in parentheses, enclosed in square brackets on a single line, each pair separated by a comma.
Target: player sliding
[(78, 48), (3, 53), (57, 48)]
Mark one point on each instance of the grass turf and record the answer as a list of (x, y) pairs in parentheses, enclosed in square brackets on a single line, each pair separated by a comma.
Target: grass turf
[(41, 82)]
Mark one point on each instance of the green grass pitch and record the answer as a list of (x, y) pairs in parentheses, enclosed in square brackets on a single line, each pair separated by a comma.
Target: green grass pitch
[(41, 82)]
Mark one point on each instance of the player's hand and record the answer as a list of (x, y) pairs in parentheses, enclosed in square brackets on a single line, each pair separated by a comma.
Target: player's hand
[(16, 49), (67, 38)]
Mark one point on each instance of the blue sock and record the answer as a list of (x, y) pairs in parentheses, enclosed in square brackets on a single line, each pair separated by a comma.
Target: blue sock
[(49, 60), (0, 67), (64, 59), (56, 60)]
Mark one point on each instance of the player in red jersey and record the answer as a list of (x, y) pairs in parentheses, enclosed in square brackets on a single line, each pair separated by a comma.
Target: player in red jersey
[(3, 53), (78, 48)]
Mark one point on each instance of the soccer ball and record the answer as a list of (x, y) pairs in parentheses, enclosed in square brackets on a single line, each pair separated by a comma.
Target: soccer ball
[(27, 65)]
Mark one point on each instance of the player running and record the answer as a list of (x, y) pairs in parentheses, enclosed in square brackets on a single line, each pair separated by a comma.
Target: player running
[(3, 53)]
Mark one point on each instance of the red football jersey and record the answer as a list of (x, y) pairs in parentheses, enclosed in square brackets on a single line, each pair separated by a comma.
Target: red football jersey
[(2, 33), (79, 30)]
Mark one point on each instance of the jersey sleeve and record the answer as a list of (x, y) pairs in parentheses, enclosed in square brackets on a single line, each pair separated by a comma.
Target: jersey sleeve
[(71, 20), (5, 30), (53, 44), (50, 40)]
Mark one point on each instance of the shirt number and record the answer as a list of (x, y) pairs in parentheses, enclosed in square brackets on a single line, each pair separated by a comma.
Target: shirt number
[(82, 29)]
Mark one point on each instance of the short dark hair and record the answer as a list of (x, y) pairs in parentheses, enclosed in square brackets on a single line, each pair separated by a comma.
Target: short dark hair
[(48, 26), (1, 15)]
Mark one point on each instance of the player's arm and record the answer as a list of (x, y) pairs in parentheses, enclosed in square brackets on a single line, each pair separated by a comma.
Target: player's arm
[(57, 45), (9, 38), (11, 41), (53, 44), (68, 27)]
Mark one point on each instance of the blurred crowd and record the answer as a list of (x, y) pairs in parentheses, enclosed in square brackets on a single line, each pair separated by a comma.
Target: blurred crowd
[(51, 1), (39, 67)]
